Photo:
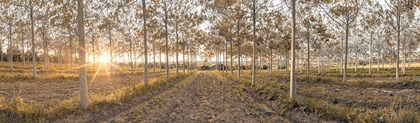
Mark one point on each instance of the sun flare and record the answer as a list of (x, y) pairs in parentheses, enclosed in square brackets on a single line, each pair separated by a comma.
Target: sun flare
[(103, 59)]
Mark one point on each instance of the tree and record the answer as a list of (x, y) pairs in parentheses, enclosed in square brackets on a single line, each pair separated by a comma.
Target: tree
[(395, 14), (82, 55), (146, 66), (165, 7), (344, 14), (371, 23), (292, 70), (254, 43), (309, 22)]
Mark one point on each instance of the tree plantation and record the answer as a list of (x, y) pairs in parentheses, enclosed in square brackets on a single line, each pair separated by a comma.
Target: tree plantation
[(210, 61)]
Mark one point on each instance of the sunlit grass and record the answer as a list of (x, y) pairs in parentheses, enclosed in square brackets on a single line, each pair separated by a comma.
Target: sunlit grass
[(15, 107), (17, 110), (272, 88)]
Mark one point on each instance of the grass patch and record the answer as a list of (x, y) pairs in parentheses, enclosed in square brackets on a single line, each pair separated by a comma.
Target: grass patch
[(17, 110), (268, 89)]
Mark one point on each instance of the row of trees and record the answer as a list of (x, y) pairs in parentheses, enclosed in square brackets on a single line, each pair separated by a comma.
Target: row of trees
[(298, 32)]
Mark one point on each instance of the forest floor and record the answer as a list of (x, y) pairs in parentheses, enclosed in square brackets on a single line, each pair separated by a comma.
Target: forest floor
[(364, 98), (203, 97), (212, 96), (66, 86)]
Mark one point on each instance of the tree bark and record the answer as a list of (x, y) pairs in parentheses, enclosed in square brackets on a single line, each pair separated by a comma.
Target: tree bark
[(131, 56), (188, 57), (397, 69), (71, 48), (111, 57), (23, 50), (231, 57), (346, 52), (183, 56), (45, 45), (404, 54), (308, 54), (82, 56), (166, 43), (357, 63), (271, 62), (177, 46), (370, 54), (1, 51), (225, 58), (146, 69), (239, 53), (154, 58), (286, 66), (292, 70), (341, 56), (32, 39), (10, 47), (254, 43), (93, 51)]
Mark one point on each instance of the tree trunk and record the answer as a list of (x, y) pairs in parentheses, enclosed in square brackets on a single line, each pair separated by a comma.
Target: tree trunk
[(379, 54), (60, 60), (93, 52), (183, 56), (71, 48), (357, 63), (403, 54), (146, 69), (1, 51), (154, 58), (131, 56), (397, 68), (383, 61), (254, 43), (23, 50), (341, 56), (287, 64), (377, 63), (231, 57), (160, 61), (370, 54), (308, 55), (177, 46), (111, 57), (82, 56), (225, 66), (10, 47), (292, 70), (409, 60), (271, 61), (239, 53), (166, 43), (188, 57), (260, 61), (32, 39), (346, 52), (45, 45)]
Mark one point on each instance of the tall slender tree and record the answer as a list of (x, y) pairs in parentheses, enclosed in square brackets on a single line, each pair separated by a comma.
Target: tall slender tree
[(344, 14), (146, 64), (292, 70), (82, 55)]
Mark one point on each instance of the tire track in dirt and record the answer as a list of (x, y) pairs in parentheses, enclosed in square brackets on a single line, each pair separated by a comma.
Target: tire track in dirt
[(205, 97)]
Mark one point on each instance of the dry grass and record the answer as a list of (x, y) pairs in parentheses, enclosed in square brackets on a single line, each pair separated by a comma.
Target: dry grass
[(16, 109), (314, 99)]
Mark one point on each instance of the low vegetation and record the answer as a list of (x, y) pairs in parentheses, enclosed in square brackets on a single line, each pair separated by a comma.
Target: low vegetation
[(360, 100), (18, 107)]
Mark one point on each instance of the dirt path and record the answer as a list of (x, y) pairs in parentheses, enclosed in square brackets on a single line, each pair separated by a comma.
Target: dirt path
[(204, 97)]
